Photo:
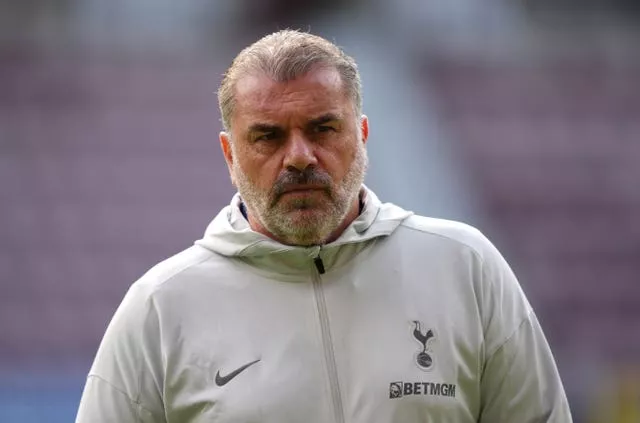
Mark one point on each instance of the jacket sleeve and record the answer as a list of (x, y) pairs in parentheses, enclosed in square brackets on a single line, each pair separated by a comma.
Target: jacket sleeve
[(519, 378), (125, 381), (520, 381)]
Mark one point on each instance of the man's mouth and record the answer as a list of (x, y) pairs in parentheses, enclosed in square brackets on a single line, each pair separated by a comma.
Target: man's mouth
[(302, 189)]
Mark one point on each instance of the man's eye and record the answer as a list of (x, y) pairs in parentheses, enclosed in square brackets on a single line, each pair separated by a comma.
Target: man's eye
[(324, 128), (267, 136)]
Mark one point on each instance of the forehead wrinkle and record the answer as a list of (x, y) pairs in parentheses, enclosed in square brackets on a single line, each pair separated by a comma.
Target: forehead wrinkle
[(270, 100), (297, 113), (318, 92)]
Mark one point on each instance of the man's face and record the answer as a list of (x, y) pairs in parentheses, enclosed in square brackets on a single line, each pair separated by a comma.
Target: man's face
[(297, 155)]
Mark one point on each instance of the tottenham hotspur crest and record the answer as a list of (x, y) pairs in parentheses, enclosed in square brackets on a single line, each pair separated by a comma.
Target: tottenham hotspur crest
[(424, 358)]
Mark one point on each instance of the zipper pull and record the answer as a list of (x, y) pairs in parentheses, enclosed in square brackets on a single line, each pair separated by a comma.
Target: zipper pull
[(319, 264)]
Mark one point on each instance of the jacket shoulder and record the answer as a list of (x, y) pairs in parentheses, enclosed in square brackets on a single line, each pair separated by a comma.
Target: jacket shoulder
[(169, 269), (459, 233)]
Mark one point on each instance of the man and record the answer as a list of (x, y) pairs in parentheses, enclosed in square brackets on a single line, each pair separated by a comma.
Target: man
[(308, 300)]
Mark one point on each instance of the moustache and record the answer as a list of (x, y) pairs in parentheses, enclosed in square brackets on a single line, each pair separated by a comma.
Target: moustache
[(308, 176)]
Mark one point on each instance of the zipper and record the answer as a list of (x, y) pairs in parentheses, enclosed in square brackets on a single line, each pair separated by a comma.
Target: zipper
[(327, 343), (319, 264)]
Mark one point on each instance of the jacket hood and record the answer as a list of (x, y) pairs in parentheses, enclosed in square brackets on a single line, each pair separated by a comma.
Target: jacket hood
[(230, 235)]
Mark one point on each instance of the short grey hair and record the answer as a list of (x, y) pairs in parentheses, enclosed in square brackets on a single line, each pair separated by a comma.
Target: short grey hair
[(284, 56)]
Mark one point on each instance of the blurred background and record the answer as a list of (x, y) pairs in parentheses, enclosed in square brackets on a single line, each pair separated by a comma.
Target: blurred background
[(519, 117)]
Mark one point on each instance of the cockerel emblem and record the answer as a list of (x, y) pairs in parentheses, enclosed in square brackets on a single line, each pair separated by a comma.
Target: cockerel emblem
[(424, 360)]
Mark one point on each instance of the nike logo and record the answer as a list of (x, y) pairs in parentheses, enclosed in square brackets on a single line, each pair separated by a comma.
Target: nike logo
[(223, 380)]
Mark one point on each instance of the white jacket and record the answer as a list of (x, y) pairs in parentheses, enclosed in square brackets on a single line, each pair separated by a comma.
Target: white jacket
[(412, 320)]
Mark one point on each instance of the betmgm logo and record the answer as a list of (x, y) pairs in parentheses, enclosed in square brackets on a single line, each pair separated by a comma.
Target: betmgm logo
[(403, 389)]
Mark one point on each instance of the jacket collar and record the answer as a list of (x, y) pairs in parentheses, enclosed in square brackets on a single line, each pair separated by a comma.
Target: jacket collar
[(229, 234)]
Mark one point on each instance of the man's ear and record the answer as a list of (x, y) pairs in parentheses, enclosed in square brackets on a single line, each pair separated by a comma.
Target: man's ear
[(227, 151), (364, 128)]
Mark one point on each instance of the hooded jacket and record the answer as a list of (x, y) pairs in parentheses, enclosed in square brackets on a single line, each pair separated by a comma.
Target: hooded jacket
[(402, 319)]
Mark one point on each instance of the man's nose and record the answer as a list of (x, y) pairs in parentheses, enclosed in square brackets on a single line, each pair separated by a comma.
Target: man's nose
[(300, 152)]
